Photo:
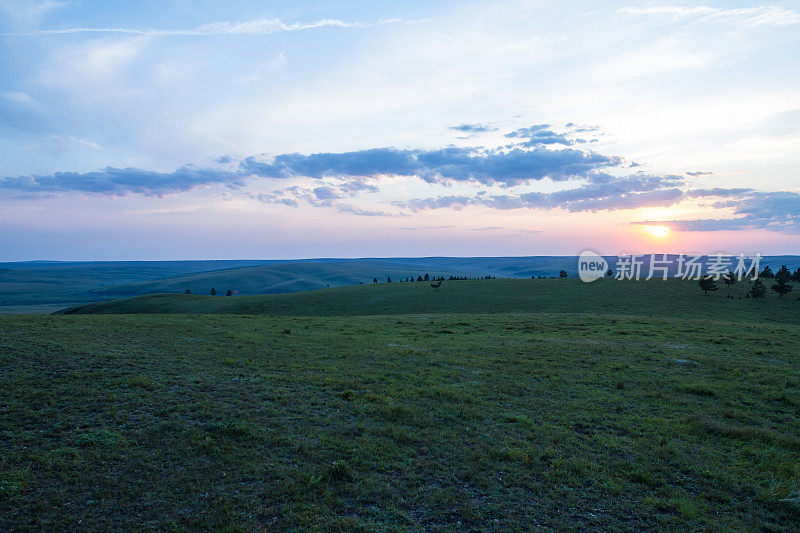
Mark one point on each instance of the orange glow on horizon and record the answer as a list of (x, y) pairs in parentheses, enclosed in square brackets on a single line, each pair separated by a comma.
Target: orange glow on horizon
[(659, 232)]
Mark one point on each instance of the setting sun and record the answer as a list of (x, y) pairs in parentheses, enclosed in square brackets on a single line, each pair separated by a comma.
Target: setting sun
[(658, 232)]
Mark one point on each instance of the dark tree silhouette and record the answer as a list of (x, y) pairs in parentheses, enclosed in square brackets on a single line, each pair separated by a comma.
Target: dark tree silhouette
[(707, 284), (563, 274), (766, 273), (796, 275), (419, 278), (375, 280), (729, 279), (213, 291), (388, 279), (188, 291), (609, 273), (427, 277), (783, 274), (229, 293), (782, 285), (758, 290)]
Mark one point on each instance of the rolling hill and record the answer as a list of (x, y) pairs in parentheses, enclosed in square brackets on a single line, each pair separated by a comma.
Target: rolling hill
[(673, 298), (72, 283)]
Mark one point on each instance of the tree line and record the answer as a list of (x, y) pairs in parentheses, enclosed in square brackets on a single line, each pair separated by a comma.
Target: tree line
[(428, 277), (782, 282)]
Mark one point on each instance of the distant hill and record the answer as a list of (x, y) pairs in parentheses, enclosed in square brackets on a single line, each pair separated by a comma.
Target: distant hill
[(72, 283), (53, 282), (280, 278), (672, 298)]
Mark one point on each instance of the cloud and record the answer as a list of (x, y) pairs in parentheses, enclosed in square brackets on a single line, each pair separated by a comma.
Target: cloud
[(122, 181), (605, 193), (774, 211), (19, 97), (540, 134), (262, 26), (473, 128), (27, 12), (487, 166), (456, 202), (345, 174), (719, 191), (750, 16), (353, 210), (699, 173), (324, 195)]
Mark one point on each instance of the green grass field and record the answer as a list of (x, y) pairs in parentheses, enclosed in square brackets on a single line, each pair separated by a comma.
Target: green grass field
[(673, 298), (527, 404)]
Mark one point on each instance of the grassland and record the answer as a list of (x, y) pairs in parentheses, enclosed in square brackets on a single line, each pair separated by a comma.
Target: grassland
[(48, 283), (60, 283), (553, 404), (673, 298)]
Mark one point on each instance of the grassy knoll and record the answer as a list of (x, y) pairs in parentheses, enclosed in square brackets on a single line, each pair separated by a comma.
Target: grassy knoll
[(408, 421), (674, 298)]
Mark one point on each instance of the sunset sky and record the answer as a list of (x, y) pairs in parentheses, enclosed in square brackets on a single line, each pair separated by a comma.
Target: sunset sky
[(266, 130)]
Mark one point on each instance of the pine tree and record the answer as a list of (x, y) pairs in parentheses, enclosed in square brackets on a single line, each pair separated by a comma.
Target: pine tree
[(229, 293), (188, 291), (375, 280), (766, 273), (783, 274), (796, 275), (213, 291), (563, 274), (729, 279), (782, 285), (708, 284), (427, 277), (758, 290)]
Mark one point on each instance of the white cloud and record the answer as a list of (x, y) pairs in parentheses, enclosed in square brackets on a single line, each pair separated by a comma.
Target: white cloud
[(27, 13), (19, 97), (262, 26), (752, 16)]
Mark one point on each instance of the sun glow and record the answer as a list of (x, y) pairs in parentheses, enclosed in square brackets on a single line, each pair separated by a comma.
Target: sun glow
[(659, 232)]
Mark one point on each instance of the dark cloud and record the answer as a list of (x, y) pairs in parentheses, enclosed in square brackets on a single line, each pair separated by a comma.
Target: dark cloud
[(488, 166), (541, 134), (326, 193), (473, 128), (520, 163), (351, 187), (528, 132), (719, 191), (699, 173), (121, 181), (322, 196), (361, 163), (605, 193)]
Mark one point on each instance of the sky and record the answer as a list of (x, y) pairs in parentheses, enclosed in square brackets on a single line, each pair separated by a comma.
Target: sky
[(275, 130)]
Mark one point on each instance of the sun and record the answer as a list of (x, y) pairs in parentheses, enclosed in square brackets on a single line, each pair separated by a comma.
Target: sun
[(659, 232)]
